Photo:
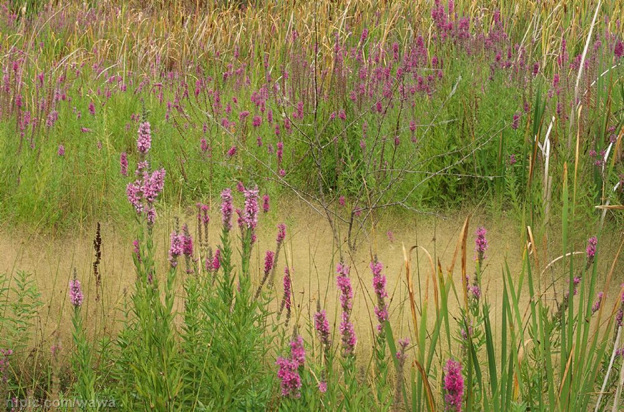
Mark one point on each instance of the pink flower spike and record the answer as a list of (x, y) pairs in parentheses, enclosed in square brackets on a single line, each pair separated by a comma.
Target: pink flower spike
[(75, 293), (144, 141), (265, 203), (453, 386)]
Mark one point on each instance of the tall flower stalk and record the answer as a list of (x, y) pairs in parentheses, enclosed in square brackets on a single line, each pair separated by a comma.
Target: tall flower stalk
[(82, 358), (348, 338), (347, 330), (453, 386), (381, 313), (321, 325)]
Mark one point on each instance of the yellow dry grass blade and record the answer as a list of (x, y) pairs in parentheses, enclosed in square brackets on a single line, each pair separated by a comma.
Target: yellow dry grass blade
[(433, 275), (531, 247), (425, 379), (565, 375), (410, 289), (521, 355), (610, 207)]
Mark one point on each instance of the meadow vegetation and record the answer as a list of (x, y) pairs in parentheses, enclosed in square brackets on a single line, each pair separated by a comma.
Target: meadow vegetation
[(124, 113)]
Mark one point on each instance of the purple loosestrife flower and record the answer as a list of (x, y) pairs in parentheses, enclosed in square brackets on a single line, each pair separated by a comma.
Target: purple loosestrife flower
[(123, 162), (144, 141), (280, 152), (481, 244), (286, 302), (401, 358), (265, 203), (226, 209), (268, 262), (203, 145), (322, 329), (92, 108), (297, 351), (257, 121), (136, 251), (153, 184), (281, 233), (250, 210), (364, 35), (286, 299), (618, 51), (403, 344), (187, 248), (187, 242), (322, 386), (516, 121), (75, 292), (202, 214), (576, 281), (142, 194), (475, 291), (232, 151), (289, 376), (176, 248), (597, 303), (379, 284), (61, 150), (453, 386), (347, 330), (216, 261), (592, 242), (269, 259)]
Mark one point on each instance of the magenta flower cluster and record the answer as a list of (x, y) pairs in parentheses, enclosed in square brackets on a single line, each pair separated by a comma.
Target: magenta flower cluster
[(144, 141), (281, 233), (75, 293), (265, 203), (226, 209), (347, 330), (143, 193), (268, 262), (453, 386), (590, 251), (289, 369), (250, 211), (136, 251), (176, 248), (322, 328), (379, 285), (123, 163), (187, 242), (598, 302), (286, 301), (481, 244), (216, 260), (400, 355), (202, 214)]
